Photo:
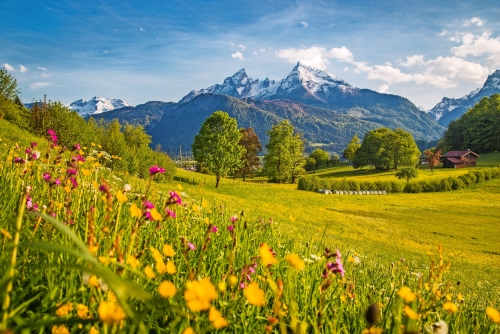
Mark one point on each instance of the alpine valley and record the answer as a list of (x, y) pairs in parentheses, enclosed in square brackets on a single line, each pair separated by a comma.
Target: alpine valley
[(324, 108)]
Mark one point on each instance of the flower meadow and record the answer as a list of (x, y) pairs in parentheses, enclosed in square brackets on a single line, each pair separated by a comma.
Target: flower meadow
[(87, 250)]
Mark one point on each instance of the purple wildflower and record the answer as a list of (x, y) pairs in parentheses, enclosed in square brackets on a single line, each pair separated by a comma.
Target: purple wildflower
[(191, 246), (155, 170), (234, 218), (104, 188), (71, 171), (46, 176), (33, 144), (214, 229), (52, 134), (148, 205), (174, 198), (337, 267), (170, 213), (19, 161), (34, 155), (74, 184), (230, 228), (27, 151), (57, 182), (76, 147), (30, 205), (148, 216)]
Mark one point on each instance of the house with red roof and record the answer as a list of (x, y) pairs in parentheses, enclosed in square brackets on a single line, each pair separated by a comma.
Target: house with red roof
[(459, 159)]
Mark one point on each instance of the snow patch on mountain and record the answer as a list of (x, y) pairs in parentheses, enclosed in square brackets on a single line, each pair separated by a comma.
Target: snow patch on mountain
[(96, 105)]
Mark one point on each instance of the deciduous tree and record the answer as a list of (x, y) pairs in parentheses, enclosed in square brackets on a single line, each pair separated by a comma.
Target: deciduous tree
[(351, 148), (216, 145), (320, 157), (252, 146), (432, 157), (407, 173)]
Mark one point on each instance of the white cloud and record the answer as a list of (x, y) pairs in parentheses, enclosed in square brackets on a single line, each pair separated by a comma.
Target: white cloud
[(9, 68), (42, 68), (231, 43), (304, 24), (383, 89), (45, 75), (342, 54), (105, 51), (238, 55), (346, 69), (444, 32), (142, 29), (457, 68), (313, 56), (254, 53), (412, 61), (475, 20), (262, 50), (37, 85), (22, 69), (242, 47), (477, 45)]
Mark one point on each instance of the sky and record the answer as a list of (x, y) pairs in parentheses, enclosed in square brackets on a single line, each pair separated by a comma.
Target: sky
[(143, 51)]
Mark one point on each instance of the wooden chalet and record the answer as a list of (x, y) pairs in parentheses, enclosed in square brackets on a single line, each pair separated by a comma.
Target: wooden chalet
[(459, 159)]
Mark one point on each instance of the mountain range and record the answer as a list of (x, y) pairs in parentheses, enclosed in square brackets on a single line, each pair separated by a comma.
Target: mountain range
[(96, 105), (450, 109), (324, 108)]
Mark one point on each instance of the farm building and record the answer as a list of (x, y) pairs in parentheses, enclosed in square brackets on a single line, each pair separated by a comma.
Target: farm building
[(459, 159)]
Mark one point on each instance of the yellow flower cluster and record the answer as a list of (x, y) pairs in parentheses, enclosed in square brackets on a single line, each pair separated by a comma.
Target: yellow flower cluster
[(64, 309), (296, 262), (59, 330), (266, 256), (493, 314), (406, 294), (161, 268), (254, 294), (450, 307), (110, 312), (121, 197), (200, 294), (167, 289), (216, 318), (82, 311)]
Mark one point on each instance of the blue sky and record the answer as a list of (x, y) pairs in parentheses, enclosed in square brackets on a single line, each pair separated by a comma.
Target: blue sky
[(160, 50)]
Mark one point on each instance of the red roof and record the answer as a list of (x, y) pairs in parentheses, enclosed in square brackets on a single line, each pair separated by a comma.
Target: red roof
[(456, 161), (458, 154)]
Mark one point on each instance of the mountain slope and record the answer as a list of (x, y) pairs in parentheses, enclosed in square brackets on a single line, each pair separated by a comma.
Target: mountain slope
[(96, 105), (450, 109)]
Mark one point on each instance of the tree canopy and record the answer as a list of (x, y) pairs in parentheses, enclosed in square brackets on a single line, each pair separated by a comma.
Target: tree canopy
[(250, 142), (216, 145), (476, 130), (351, 148), (384, 149), (320, 157), (284, 161)]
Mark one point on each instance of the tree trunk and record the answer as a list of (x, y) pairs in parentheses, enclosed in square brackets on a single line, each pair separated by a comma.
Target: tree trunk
[(217, 177)]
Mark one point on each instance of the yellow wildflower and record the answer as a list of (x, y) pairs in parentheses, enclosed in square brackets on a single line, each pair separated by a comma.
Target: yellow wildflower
[(6, 233), (449, 297), (450, 307), (292, 218), (221, 286), (199, 294), (93, 330), (121, 197), (493, 314), (161, 268), (196, 208), (460, 297), (232, 280), (254, 294), (155, 253), (206, 220), (427, 287), (351, 259), (410, 313), (343, 298), (167, 289), (204, 203), (92, 144), (67, 189), (85, 172), (168, 250), (135, 211), (64, 309), (155, 214), (133, 262), (266, 256), (110, 313), (61, 329), (216, 318), (373, 330), (100, 146), (295, 261), (406, 294), (93, 249), (179, 186), (171, 267), (82, 311), (59, 205), (188, 330), (95, 184), (149, 272), (94, 281)]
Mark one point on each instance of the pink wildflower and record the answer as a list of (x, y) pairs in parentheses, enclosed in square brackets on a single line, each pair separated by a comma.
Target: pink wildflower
[(214, 229), (234, 218), (191, 246), (174, 198), (170, 213), (155, 170), (46, 176)]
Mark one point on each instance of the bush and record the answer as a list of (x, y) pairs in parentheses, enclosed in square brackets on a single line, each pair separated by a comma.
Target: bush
[(413, 187), (446, 184), (457, 183), (397, 187), (468, 179)]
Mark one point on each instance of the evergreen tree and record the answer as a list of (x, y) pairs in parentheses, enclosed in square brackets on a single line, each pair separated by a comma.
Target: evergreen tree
[(216, 145)]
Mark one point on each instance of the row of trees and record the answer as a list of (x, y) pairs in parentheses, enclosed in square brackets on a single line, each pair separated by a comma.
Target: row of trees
[(223, 149), (127, 147), (477, 129)]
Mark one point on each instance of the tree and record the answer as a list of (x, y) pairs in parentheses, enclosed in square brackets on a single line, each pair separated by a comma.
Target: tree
[(310, 164), (319, 156), (384, 149), (284, 160), (407, 173), (335, 158), (351, 148), (216, 145), (432, 157), (252, 146), (9, 98)]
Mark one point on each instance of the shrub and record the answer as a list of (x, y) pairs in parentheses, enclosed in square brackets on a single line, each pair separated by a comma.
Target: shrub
[(446, 184), (413, 187), (397, 187), (457, 183)]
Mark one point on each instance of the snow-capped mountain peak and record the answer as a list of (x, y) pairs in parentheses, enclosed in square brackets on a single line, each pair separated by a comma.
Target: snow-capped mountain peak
[(96, 105)]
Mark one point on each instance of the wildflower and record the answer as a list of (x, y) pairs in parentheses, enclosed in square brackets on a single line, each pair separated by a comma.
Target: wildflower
[(295, 262), (110, 312), (61, 329), (266, 255), (33, 144), (93, 281), (493, 314), (216, 318), (77, 147), (133, 262), (53, 136), (179, 186), (155, 214), (6, 233), (82, 311), (74, 184), (230, 228), (149, 272), (373, 330), (57, 182), (191, 246), (199, 294), (406, 294), (204, 203), (170, 213), (20, 161), (34, 155), (121, 197), (155, 170), (214, 229), (135, 211), (64, 309), (171, 267), (410, 313), (232, 280), (174, 198), (148, 205), (93, 330), (30, 205), (450, 307), (460, 297), (46, 176), (167, 289), (221, 286), (254, 294), (168, 250), (104, 188), (292, 218), (188, 330), (127, 188), (234, 218)]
